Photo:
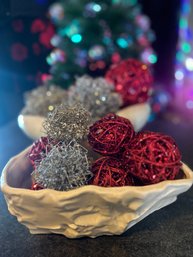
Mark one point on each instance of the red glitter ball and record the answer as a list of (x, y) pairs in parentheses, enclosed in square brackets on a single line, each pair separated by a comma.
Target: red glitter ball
[(132, 80), (152, 157), (109, 135), (39, 150), (110, 172)]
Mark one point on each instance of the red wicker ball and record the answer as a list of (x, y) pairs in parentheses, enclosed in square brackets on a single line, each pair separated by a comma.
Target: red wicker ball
[(152, 157), (109, 135), (132, 80), (39, 150), (110, 172)]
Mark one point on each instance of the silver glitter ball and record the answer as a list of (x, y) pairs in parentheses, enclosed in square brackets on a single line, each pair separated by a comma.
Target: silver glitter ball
[(96, 95), (67, 123), (65, 167), (43, 99)]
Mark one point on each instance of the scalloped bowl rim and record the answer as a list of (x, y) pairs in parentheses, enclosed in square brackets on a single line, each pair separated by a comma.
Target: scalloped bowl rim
[(76, 191)]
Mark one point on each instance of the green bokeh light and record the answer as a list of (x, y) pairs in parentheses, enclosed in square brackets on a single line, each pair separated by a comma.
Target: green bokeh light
[(126, 2), (186, 47), (183, 23), (180, 56), (152, 58), (97, 8), (77, 38), (122, 42)]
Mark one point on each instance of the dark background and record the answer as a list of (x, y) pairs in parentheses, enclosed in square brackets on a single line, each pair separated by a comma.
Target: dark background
[(17, 77)]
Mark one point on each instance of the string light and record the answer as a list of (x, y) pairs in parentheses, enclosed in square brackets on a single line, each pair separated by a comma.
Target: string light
[(189, 64), (184, 60), (179, 75)]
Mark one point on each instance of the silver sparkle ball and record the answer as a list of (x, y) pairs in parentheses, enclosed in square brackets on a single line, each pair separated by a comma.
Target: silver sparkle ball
[(65, 167), (43, 99), (96, 95), (67, 122)]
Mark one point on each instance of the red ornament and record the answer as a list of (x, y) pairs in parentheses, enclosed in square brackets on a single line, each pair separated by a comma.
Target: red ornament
[(45, 77), (109, 135), (38, 26), (39, 150), (19, 52), (152, 157), (110, 172), (35, 186), (46, 35), (132, 80)]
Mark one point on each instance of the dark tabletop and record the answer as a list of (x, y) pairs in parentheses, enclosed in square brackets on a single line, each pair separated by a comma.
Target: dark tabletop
[(165, 233)]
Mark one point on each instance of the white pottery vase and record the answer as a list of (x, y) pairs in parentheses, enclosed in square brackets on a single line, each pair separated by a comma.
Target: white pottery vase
[(86, 211), (138, 114)]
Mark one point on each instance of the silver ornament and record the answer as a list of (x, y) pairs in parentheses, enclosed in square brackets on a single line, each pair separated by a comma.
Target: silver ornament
[(96, 95), (43, 99), (67, 123), (65, 167)]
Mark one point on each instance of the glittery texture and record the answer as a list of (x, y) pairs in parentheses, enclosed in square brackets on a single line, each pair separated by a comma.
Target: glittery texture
[(152, 157), (43, 99), (132, 80), (96, 95), (65, 167), (110, 172), (40, 149), (67, 123), (110, 134)]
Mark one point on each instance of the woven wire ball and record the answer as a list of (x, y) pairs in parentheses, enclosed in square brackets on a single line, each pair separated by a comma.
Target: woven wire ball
[(96, 95), (65, 167), (43, 99), (109, 135), (152, 157), (67, 122), (110, 172), (132, 80)]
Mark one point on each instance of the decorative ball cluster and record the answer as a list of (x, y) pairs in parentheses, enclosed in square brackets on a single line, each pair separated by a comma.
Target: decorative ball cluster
[(65, 167), (127, 82), (152, 157), (96, 95), (67, 123), (129, 158), (43, 99), (59, 161), (109, 135), (132, 80)]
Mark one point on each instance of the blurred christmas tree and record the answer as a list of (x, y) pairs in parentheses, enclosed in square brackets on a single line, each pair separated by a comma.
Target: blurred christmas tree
[(92, 35)]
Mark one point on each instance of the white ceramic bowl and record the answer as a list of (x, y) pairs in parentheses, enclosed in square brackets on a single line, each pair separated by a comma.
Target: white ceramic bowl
[(87, 211), (138, 115)]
